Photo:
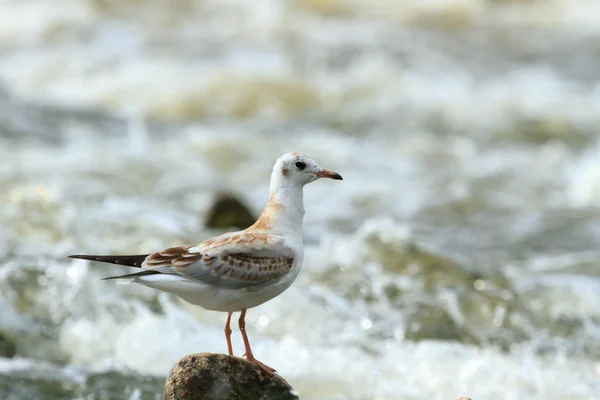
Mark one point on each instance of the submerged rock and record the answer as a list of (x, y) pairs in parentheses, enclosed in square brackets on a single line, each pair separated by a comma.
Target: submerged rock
[(7, 347), (207, 376), (431, 321), (228, 211)]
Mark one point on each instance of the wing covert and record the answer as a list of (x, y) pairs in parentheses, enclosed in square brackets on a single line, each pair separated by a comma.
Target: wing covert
[(237, 261)]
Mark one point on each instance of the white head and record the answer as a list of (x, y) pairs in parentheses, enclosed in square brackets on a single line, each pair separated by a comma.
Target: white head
[(285, 208), (296, 170)]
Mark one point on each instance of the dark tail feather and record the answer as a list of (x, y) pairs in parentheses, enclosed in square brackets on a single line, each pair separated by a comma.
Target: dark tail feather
[(143, 273), (132, 261)]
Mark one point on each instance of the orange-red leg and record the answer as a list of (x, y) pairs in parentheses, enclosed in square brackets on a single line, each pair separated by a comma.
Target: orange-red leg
[(249, 355), (228, 334)]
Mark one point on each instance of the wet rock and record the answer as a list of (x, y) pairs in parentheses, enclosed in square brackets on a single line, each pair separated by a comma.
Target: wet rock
[(7, 347), (547, 129), (433, 322), (228, 211), (207, 376)]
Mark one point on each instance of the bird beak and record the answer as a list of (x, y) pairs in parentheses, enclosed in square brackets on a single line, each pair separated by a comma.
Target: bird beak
[(328, 174)]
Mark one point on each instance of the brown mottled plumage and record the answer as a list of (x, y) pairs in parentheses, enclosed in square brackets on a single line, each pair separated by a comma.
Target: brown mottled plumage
[(267, 218)]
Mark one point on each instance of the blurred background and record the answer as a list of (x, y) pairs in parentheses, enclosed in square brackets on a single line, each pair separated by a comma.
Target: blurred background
[(459, 256)]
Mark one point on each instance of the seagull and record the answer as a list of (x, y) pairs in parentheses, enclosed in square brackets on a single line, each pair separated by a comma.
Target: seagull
[(236, 271)]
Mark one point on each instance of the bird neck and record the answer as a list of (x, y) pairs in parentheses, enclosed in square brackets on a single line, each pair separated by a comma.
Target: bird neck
[(290, 213), (284, 211)]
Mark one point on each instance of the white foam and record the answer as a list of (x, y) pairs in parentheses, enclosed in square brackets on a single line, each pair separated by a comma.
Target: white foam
[(318, 340), (583, 178)]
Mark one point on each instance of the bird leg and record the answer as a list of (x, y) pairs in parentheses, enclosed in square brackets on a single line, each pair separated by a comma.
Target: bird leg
[(228, 334), (249, 355)]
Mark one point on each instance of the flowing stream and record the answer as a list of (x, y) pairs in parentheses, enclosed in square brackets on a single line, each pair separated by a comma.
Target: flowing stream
[(459, 257)]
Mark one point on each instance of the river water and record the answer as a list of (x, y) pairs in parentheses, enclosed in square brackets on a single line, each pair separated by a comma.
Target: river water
[(459, 256)]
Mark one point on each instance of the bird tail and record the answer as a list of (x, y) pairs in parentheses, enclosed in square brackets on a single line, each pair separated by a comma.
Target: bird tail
[(135, 275), (131, 261)]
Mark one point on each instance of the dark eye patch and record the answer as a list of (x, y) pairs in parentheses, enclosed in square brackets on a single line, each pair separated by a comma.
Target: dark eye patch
[(300, 165)]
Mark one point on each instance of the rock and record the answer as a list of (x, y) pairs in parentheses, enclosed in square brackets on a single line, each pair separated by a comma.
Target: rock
[(7, 347), (228, 211), (207, 376), (430, 321)]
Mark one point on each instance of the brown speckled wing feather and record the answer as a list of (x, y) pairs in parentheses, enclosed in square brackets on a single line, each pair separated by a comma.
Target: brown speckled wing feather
[(171, 257), (232, 261)]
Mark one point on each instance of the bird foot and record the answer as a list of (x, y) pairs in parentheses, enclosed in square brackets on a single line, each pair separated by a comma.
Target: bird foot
[(261, 365)]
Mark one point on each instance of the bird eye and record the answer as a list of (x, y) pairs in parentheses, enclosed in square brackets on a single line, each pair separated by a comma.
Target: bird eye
[(300, 165)]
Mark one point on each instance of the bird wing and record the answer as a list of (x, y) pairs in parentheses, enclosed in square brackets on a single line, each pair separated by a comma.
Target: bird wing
[(233, 261)]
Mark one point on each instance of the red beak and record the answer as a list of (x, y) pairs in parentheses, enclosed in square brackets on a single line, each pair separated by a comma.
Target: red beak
[(329, 174)]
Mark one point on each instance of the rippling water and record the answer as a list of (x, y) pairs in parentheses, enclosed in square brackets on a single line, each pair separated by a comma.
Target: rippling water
[(458, 257)]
